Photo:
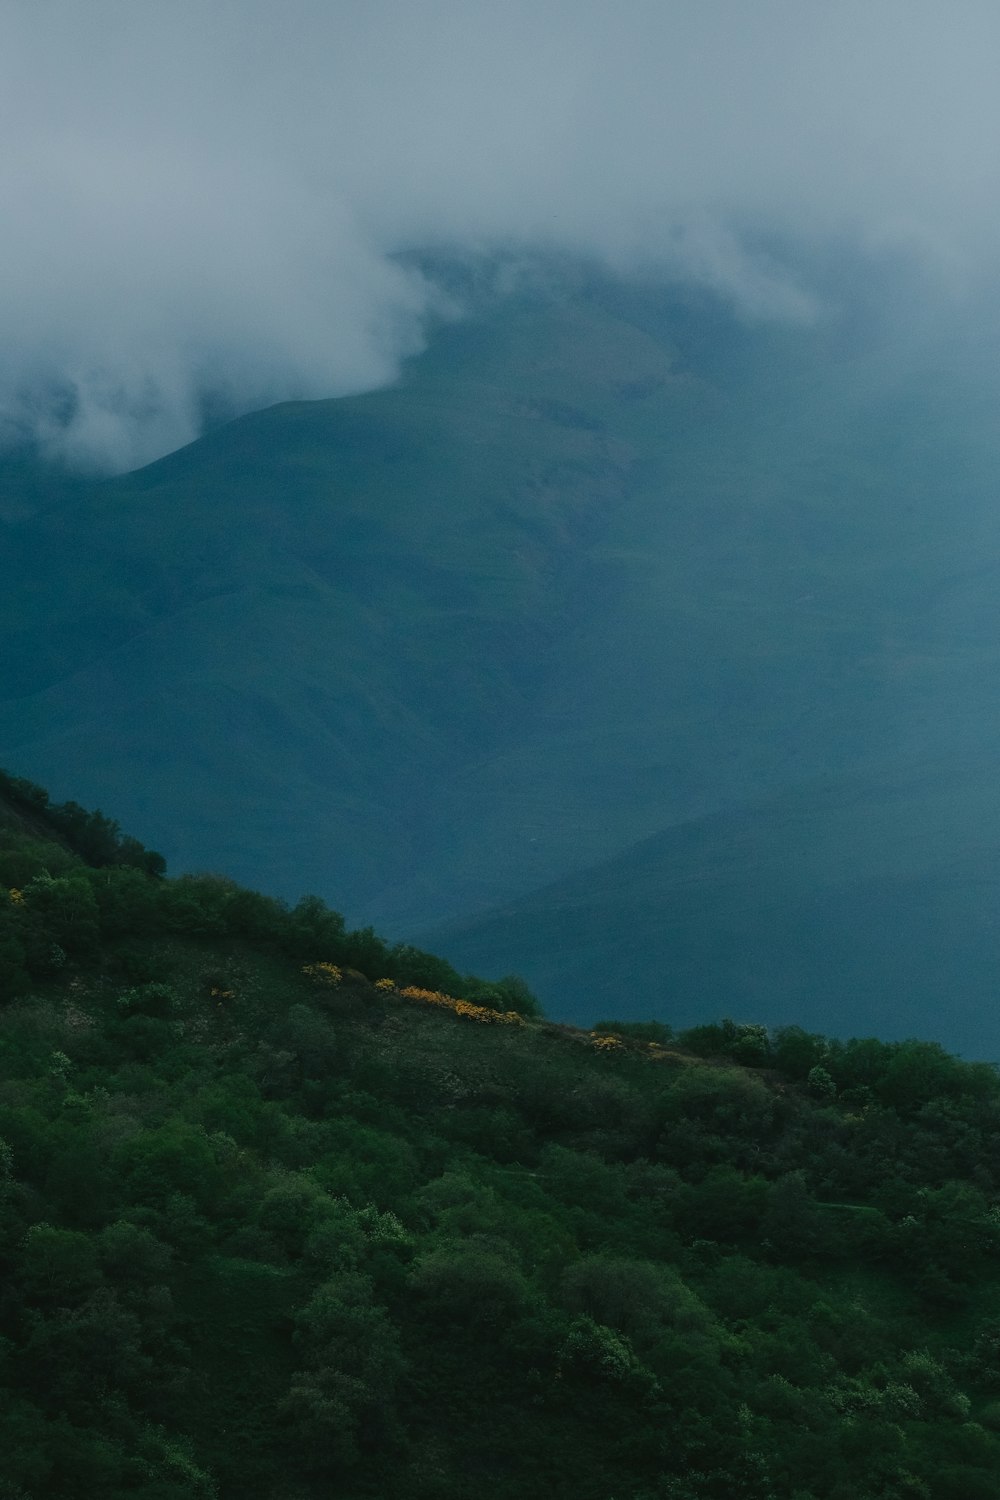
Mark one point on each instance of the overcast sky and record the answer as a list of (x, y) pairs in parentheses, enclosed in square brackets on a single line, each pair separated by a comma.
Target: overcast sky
[(205, 194)]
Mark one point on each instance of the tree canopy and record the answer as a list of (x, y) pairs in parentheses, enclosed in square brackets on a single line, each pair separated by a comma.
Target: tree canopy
[(288, 1210)]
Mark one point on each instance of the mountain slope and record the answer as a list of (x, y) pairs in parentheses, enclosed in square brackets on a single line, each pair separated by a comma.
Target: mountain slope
[(868, 900), (315, 612), (608, 560)]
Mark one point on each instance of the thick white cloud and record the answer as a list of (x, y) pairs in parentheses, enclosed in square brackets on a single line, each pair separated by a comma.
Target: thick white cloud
[(205, 194)]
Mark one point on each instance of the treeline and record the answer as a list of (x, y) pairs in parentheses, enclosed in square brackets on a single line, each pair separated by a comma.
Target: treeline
[(858, 1073), (98, 840), (60, 911)]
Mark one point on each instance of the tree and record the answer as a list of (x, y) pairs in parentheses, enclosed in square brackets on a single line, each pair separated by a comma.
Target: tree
[(341, 1403)]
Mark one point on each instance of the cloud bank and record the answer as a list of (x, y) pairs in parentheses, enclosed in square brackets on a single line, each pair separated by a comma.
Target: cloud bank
[(207, 198)]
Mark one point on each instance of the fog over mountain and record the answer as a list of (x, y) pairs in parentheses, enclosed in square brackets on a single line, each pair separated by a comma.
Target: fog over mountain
[(598, 580), (208, 203)]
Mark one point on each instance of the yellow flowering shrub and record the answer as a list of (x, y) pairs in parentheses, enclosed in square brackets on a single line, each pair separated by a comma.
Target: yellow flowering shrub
[(385, 985), (602, 1043), (481, 1013), (325, 974), (16, 896)]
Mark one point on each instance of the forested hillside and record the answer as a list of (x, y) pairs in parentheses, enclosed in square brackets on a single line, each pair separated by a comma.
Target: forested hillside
[(287, 1211)]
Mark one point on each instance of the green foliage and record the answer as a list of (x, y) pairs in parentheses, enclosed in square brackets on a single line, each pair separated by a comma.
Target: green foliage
[(97, 840), (261, 1235), (469, 1285), (597, 1352), (636, 1298), (58, 1266), (341, 1404), (820, 1084), (749, 1044)]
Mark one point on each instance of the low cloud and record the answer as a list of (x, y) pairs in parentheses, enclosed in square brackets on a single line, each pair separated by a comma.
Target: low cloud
[(212, 199)]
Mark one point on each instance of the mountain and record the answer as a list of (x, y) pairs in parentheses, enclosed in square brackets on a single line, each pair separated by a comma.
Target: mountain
[(301, 626), (871, 899), (610, 571), (279, 1215)]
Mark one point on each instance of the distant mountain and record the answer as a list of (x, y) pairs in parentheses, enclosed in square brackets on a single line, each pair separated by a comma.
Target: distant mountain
[(607, 565), (284, 638), (866, 900)]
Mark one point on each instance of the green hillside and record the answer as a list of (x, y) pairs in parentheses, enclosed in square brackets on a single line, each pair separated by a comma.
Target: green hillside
[(288, 1211), (607, 564)]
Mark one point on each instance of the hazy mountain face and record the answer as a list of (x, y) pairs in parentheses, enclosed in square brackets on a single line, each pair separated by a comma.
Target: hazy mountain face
[(607, 563)]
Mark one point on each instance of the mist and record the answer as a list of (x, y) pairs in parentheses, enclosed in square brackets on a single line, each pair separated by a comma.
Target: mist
[(214, 201)]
